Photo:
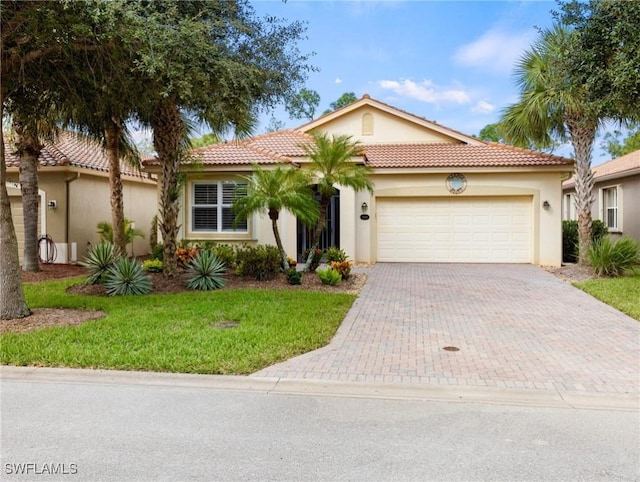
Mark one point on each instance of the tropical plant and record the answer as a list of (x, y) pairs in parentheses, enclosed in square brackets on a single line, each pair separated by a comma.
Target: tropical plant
[(152, 265), (184, 256), (551, 106), (570, 239), (332, 162), (157, 251), (98, 260), (153, 232), (579, 74), (126, 277), (262, 262), (106, 232), (293, 276), (281, 188), (336, 255), (206, 272), (342, 267), (329, 276), (610, 258)]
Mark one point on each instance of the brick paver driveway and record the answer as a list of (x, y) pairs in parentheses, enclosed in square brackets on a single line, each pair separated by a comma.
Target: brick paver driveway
[(516, 326)]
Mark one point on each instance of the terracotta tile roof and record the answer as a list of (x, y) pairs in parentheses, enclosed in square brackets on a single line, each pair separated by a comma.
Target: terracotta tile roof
[(614, 168), (271, 148), (457, 155), (71, 150)]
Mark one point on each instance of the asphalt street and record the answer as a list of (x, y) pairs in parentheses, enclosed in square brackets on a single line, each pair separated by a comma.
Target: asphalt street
[(105, 430)]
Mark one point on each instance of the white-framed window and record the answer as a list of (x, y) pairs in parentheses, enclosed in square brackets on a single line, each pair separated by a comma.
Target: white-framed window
[(610, 207), (569, 205), (212, 207)]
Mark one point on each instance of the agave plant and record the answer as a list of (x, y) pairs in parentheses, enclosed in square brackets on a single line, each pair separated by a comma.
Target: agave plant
[(126, 277), (206, 271), (98, 260)]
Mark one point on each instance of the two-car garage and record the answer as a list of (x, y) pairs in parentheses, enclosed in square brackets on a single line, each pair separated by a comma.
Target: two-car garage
[(455, 229)]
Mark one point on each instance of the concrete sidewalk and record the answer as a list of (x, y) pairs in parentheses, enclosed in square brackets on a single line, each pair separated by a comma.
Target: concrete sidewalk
[(515, 327)]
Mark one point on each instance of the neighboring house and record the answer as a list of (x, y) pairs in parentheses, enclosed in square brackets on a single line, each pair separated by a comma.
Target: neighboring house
[(75, 196), (616, 194), (440, 195)]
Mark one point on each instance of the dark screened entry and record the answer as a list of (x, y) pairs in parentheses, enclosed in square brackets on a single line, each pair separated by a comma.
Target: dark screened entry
[(331, 232)]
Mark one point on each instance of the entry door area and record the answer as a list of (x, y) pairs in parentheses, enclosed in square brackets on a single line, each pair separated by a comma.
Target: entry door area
[(455, 230)]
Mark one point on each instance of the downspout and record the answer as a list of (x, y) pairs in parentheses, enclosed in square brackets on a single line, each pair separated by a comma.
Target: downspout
[(67, 215)]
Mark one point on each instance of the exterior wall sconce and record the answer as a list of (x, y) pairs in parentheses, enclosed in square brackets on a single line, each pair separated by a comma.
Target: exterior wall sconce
[(546, 205), (52, 205), (365, 207)]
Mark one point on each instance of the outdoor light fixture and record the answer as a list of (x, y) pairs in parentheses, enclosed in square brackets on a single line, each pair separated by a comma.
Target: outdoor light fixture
[(52, 204), (546, 205), (365, 207)]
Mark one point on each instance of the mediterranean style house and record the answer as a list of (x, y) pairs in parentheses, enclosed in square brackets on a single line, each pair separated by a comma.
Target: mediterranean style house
[(616, 195), (440, 195), (73, 179)]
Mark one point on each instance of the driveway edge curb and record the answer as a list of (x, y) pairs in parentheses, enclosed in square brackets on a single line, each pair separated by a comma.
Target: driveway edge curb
[(287, 386)]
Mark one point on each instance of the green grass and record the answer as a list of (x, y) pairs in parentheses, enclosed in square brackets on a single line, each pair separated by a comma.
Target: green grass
[(177, 332), (621, 293)]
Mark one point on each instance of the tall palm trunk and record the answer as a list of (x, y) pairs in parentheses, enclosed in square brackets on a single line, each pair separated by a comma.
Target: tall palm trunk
[(582, 137), (29, 148), (317, 232), (12, 302), (274, 215), (168, 134), (112, 133)]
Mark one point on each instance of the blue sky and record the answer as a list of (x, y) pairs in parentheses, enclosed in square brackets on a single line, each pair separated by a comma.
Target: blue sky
[(448, 61)]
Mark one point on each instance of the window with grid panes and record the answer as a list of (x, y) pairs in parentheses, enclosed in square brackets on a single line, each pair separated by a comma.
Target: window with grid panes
[(212, 207), (610, 207)]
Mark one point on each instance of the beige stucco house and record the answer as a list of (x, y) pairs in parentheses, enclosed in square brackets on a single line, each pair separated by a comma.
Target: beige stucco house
[(616, 195), (440, 195), (74, 197)]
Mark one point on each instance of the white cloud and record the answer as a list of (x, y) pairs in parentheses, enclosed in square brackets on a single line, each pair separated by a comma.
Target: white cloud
[(426, 91), (483, 107), (338, 80), (495, 50)]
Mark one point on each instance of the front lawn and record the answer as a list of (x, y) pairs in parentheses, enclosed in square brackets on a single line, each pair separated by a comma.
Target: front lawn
[(221, 332), (621, 293)]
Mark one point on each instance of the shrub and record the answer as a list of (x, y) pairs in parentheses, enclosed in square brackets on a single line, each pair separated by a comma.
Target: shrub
[(329, 276), (126, 277), (336, 255), (152, 265), (157, 252), (342, 267), (317, 258), (570, 238), (293, 276), (260, 262), (206, 271), (614, 259), (226, 253), (185, 256), (98, 260)]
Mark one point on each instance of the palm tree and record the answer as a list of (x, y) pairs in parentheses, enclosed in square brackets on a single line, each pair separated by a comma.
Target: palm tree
[(552, 105), (274, 190), (332, 163)]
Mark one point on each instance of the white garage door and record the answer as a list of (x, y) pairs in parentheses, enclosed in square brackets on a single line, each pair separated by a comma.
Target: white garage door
[(455, 230)]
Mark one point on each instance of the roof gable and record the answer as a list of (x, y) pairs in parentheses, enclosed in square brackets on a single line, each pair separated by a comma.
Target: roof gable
[(389, 124)]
